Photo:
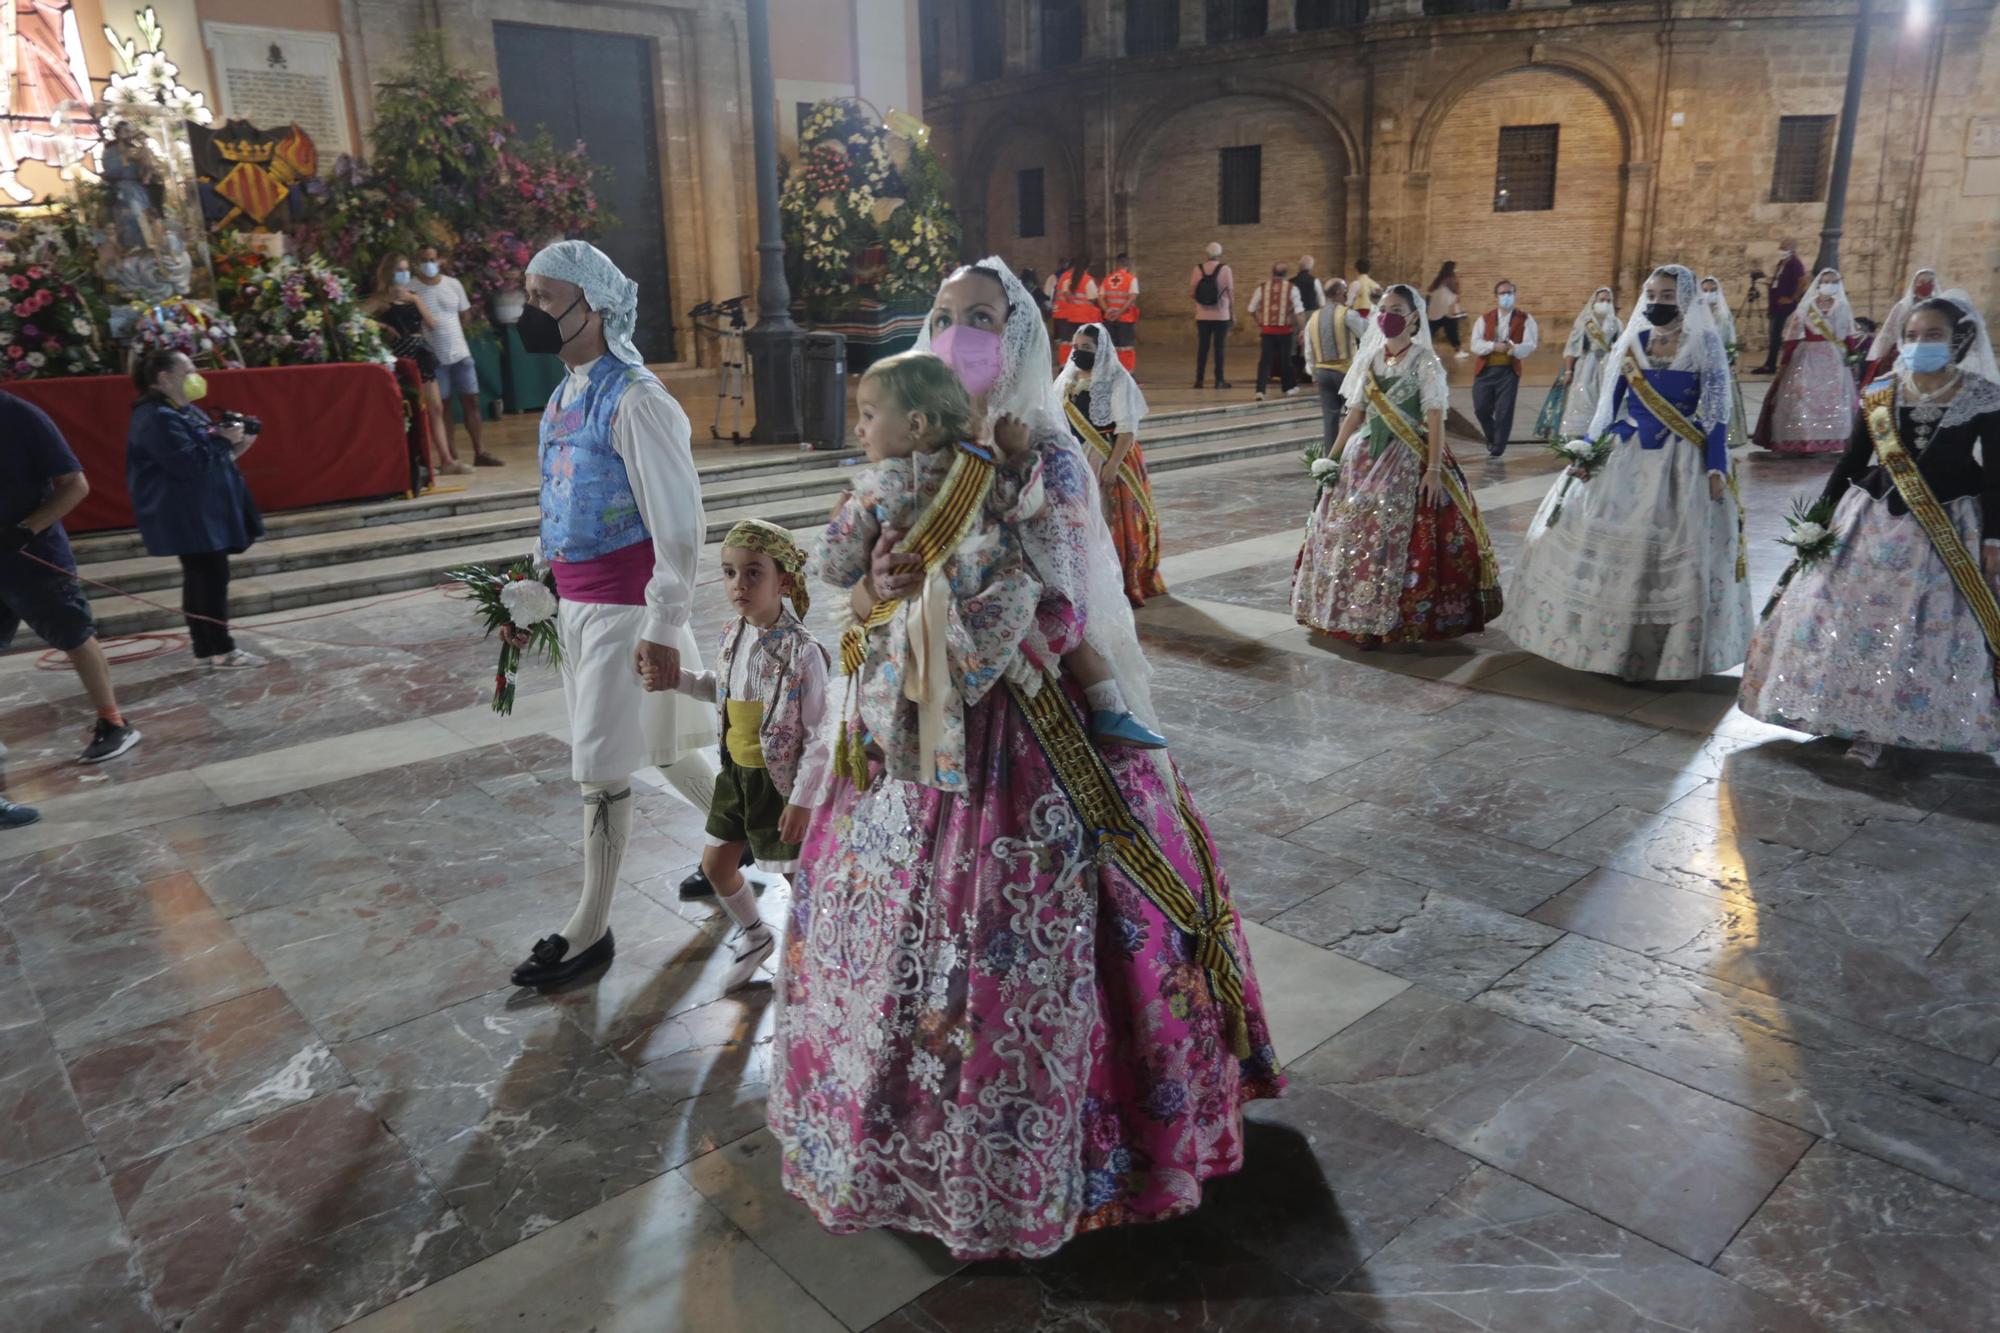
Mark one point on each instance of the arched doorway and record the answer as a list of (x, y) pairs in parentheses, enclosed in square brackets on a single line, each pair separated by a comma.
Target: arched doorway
[(1175, 208), (1555, 254)]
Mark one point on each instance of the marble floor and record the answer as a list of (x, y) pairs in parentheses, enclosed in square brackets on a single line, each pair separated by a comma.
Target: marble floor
[(1605, 1007)]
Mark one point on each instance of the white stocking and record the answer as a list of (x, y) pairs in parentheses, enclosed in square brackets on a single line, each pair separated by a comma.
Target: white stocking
[(607, 820), (693, 776)]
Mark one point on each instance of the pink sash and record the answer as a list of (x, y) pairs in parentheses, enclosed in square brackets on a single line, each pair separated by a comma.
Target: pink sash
[(617, 579)]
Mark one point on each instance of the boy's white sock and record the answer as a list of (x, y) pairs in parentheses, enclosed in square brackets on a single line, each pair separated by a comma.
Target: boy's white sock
[(754, 945)]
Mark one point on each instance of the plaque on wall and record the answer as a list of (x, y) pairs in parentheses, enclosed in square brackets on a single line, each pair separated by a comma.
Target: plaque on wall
[(1982, 136), (282, 76)]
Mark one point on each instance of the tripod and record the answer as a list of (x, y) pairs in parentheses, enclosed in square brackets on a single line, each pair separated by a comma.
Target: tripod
[(729, 389)]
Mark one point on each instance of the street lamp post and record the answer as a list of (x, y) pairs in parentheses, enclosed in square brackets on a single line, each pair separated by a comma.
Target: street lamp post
[(1843, 149), (776, 344)]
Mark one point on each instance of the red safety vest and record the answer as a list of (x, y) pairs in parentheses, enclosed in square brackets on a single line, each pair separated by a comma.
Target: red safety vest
[(1120, 302), (1070, 307)]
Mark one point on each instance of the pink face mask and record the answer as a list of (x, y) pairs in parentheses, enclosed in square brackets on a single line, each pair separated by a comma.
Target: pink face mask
[(1392, 323), (974, 353)]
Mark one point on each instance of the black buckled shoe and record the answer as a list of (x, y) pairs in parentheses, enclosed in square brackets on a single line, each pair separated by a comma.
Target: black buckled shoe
[(550, 963), (697, 886)]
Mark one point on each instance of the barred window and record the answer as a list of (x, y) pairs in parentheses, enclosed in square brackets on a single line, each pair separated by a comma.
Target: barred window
[(1234, 20), (1242, 186), (1799, 174), (1525, 181), (1062, 33), (989, 42), (1152, 25), (1029, 221), (1314, 15)]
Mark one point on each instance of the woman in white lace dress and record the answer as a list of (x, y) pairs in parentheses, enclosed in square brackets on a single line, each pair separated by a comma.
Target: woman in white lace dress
[(1637, 570)]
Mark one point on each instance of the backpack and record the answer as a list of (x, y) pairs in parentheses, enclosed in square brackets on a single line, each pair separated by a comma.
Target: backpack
[(1207, 291)]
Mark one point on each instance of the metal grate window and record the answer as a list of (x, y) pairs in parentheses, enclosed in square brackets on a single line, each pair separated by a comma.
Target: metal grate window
[(1152, 25), (1242, 190), (1234, 20), (1062, 33), (989, 42), (1029, 221), (1315, 15), (1448, 8), (1799, 174), (1525, 181)]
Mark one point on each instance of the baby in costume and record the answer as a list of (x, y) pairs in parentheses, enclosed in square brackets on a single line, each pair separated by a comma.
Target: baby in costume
[(921, 660), (770, 694)]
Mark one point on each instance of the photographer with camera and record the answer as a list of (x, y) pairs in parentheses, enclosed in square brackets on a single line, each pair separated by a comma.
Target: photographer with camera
[(189, 496)]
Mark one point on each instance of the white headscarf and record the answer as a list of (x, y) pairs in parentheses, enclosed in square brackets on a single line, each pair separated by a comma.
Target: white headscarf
[(1890, 334), (1978, 359), (1114, 394), (607, 290), (1421, 359), (1840, 319), (1701, 351), (1070, 546), (1589, 311)]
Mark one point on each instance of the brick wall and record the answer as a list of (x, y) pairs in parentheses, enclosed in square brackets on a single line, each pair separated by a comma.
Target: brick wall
[(1059, 205), (1555, 257), (1175, 207)]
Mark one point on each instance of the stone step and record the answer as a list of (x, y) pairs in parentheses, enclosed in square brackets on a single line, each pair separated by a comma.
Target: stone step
[(780, 477), (391, 566)]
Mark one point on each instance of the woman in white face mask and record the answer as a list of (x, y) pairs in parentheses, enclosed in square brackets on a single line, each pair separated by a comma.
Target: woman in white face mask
[(1573, 397), (1810, 407), (1892, 637)]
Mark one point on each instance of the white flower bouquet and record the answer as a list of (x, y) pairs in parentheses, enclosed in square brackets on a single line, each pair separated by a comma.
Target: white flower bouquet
[(1322, 467), (1583, 457), (1810, 535), (522, 609)]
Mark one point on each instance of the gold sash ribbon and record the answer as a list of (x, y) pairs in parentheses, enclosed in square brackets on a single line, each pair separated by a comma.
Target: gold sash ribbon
[(1817, 319), (1198, 911), (1094, 437), (1671, 417), (1879, 407), (1596, 334), (937, 533), (1406, 430)]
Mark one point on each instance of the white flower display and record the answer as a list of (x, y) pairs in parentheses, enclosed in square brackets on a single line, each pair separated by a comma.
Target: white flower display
[(80, 327), (528, 601), (37, 360), (153, 67), (1322, 466), (1805, 534)]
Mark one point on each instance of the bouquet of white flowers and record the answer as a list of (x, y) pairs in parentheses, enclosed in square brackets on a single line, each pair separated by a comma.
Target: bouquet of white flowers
[(1584, 457), (1810, 535), (1322, 467), (522, 609)]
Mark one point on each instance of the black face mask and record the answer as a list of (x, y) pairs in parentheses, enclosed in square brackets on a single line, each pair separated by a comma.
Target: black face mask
[(1659, 314), (542, 332), (1083, 360)]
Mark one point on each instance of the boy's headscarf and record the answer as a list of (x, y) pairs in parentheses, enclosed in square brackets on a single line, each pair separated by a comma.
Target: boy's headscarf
[(610, 293), (755, 534)]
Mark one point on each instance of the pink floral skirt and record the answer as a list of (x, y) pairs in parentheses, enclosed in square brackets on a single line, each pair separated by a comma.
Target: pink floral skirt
[(985, 1036)]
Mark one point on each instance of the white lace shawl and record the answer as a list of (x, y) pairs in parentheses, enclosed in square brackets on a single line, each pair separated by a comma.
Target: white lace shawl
[(1701, 351), (1580, 344), (1840, 319), (1420, 361), (1114, 394)]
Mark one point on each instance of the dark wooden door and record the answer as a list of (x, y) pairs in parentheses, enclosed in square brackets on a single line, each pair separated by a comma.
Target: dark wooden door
[(598, 87)]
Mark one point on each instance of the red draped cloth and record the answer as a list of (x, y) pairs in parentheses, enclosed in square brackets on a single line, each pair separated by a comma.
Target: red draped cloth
[(331, 433)]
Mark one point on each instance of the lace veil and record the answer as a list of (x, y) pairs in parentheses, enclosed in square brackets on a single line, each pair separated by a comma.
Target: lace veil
[(1113, 391), (1422, 359)]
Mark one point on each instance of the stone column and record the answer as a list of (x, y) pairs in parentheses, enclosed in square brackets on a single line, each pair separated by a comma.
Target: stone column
[(1103, 29), (1281, 16), (954, 42), (776, 344), (1022, 25), (1194, 23), (718, 115)]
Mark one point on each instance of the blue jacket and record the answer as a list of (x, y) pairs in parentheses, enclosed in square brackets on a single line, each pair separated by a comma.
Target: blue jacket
[(187, 493)]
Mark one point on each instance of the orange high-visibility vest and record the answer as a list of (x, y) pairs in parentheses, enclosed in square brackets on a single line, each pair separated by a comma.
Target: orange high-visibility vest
[(1070, 305), (1120, 302)]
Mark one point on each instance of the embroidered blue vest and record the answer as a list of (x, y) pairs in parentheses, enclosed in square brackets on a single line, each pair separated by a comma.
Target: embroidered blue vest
[(588, 509), (1682, 388)]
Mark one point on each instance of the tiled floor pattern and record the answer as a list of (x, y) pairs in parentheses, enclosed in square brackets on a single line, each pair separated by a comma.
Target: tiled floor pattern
[(1605, 1007)]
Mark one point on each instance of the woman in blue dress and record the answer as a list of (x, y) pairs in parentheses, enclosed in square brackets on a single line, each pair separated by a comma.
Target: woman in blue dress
[(1636, 570)]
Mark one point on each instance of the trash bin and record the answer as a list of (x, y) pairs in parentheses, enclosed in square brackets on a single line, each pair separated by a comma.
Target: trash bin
[(826, 391)]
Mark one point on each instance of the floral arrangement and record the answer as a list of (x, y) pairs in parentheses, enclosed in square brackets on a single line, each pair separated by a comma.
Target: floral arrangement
[(194, 327), (1583, 458), (521, 608), (866, 208), (358, 216), (146, 78), (48, 324), (1322, 467), (1810, 535), (291, 312)]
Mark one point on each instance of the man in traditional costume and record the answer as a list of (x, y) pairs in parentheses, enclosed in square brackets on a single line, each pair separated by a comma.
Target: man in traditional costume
[(622, 528), (1331, 335)]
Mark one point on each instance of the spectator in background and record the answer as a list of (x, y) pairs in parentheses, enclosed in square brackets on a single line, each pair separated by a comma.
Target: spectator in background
[(189, 498), (1364, 290), (446, 308), (1075, 303), (1788, 287), (40, 482), (1033, 282), (1501, 339), (405, 320), (1211, 286), (1276, 307), (1444, 311)]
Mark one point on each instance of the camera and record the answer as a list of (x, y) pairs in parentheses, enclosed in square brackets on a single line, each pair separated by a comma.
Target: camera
[(251, 425)]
